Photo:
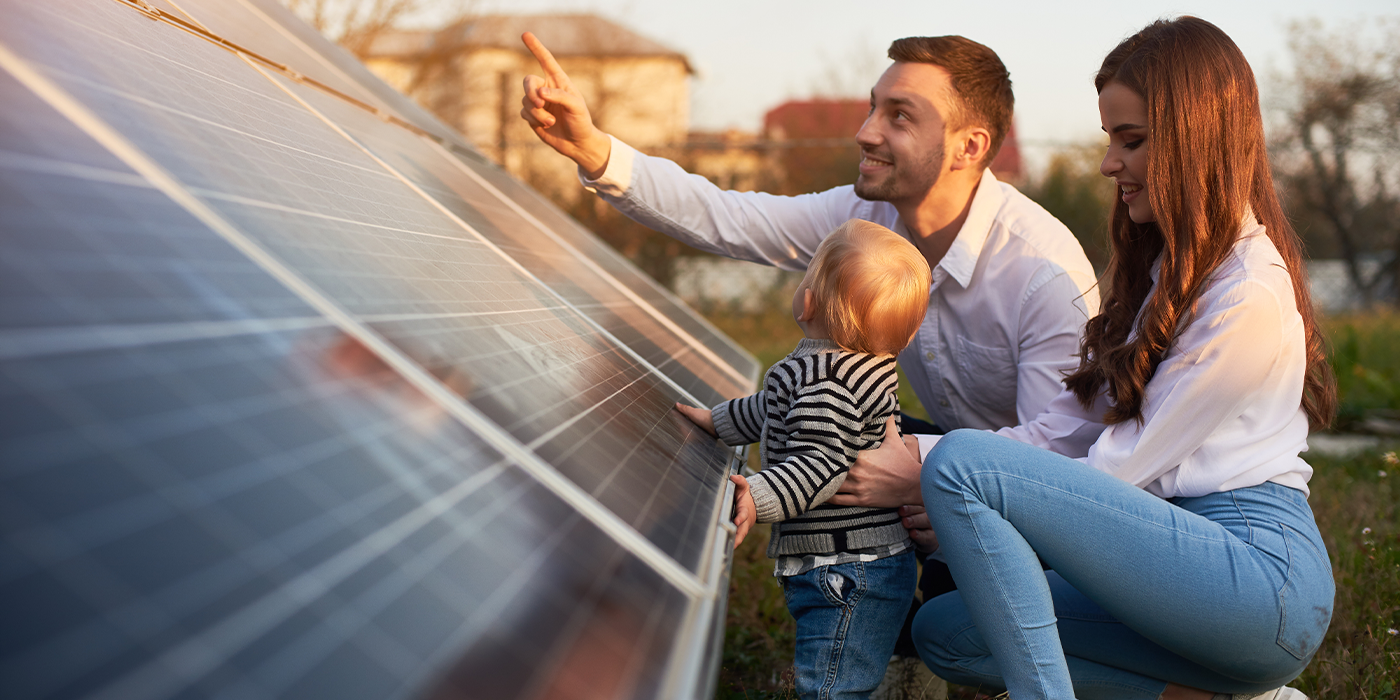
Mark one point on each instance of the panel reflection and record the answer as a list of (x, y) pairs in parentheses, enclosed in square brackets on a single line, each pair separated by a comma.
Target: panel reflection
[(279, 515)]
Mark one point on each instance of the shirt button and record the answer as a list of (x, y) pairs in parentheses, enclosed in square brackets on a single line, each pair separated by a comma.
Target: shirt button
[(930, 356), (943, 403)]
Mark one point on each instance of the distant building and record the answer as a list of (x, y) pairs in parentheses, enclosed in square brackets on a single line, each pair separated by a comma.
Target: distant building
[(1007, 166), (819, 118), (732, 159), (470, 75)]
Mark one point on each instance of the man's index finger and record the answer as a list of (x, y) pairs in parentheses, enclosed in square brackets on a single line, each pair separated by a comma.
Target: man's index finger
[(542, 54)]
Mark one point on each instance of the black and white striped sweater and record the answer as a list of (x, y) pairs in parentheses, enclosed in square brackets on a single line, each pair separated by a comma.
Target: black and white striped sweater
[(819, 407)]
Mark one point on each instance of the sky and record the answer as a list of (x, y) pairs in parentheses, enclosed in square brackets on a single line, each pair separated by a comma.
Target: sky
[(752, 55)]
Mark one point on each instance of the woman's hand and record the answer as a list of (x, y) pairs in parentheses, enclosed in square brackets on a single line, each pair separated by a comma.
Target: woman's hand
[(555, 110), (885, 477), (701, 417), (745, 511)]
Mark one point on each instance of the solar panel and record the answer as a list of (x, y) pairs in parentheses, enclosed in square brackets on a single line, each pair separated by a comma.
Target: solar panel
[(270, 29), (302, 403)]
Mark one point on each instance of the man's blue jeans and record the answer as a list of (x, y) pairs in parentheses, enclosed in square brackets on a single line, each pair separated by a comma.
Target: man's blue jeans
[(1229, 592), (848, 620)]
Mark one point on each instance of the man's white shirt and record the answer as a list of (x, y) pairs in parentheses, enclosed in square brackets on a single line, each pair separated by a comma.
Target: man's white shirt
[(1007, 305)]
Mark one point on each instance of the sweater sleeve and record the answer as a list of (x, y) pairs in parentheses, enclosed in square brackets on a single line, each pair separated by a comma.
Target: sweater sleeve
[(740, 421), (824, 436)]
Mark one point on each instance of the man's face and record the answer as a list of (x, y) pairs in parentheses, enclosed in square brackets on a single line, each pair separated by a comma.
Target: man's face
[(902, 140)]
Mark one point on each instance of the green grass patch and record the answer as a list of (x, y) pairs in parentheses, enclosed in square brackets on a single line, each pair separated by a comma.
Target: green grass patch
[(1365, 351)]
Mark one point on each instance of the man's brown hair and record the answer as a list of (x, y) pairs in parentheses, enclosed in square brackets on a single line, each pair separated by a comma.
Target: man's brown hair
[(981, 85)]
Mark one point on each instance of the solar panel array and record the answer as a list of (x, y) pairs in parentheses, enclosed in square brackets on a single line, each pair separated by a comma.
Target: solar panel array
[(304, 398)]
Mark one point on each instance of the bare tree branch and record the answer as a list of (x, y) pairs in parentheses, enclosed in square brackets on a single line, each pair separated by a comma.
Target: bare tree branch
[(1340, 156)]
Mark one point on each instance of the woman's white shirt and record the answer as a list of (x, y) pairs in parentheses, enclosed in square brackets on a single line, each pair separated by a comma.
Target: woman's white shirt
[(1224, 408)]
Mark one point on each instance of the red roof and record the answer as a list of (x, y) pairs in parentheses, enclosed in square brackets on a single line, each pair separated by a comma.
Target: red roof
[(816, 119), (1007, 165)]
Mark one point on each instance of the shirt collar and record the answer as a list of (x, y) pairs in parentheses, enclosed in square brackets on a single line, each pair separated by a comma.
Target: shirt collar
[(961, 258)]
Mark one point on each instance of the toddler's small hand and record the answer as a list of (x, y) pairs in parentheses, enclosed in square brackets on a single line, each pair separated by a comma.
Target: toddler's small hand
[(745, 512), (699, 416)]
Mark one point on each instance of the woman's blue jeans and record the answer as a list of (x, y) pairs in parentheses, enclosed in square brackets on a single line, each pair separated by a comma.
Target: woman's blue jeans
[(1229, 592)]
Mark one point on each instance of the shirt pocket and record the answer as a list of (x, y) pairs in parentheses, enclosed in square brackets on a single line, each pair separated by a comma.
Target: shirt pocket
[(988, 376)]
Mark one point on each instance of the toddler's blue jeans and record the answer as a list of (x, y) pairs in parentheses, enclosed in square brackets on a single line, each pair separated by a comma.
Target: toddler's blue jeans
[(848, 620), (1229, 592)]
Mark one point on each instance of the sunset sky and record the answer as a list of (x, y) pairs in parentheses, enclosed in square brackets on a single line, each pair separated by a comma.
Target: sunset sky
[(754, 54)]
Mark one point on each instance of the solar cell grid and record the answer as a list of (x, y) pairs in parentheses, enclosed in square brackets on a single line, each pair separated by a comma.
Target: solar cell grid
[(243, 20), (585, 287), (340, 546), (85, 261), (269, 29), (248, 27), (597, 251)]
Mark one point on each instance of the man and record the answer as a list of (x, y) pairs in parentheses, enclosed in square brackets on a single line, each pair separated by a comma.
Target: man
[(1011, 286)]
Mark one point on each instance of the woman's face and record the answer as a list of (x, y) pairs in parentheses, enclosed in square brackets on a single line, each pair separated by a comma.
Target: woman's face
[(1124, 116)]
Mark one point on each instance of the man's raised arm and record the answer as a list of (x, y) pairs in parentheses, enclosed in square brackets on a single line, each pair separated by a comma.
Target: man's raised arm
[(555, 110), (659, 194)]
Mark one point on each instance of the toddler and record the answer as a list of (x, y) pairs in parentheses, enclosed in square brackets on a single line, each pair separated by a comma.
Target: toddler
[(848, 573)]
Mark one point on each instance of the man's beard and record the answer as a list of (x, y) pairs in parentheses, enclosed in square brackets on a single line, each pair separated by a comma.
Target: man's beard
[(903, 184)]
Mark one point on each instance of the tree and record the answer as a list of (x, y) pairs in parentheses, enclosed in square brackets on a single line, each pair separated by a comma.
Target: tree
[(1076, 193), (355, 24), (1337, 154)]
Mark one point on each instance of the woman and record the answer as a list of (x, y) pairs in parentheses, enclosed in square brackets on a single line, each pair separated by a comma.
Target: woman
[(1185, 560)]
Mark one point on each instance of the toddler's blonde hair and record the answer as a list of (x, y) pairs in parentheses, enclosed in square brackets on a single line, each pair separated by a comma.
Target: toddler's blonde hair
[(870, 286)]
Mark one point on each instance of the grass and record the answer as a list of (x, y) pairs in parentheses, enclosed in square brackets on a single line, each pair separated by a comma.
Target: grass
[(1355, 499), (1366, 359), (1357, 505)]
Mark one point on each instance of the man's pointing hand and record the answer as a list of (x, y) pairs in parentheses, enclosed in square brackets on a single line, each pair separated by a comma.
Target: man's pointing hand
[(555, 110)]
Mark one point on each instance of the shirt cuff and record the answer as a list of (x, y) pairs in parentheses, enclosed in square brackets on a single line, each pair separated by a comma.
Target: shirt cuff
[(725, 429), (926, 443), (617, 174), (765, 502)]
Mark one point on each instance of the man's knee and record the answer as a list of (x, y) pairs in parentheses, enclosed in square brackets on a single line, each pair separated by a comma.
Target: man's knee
[(945, 635), (950, 459)]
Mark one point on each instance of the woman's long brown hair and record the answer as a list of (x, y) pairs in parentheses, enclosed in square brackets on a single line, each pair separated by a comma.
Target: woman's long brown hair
[(1207, 167)]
